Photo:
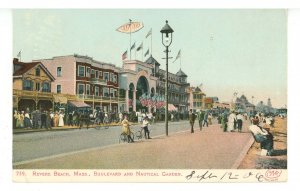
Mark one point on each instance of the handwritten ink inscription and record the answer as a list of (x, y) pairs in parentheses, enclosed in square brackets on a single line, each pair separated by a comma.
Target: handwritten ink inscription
[(225, 176)]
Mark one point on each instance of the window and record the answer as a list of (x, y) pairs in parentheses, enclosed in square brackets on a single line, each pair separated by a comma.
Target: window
[(93, 73), (198, 104), (194, 104), (112, 92), (106, 76), (111, 77), (37, 71), (88, 72), (88, 90), (58, 89), (80, 89), (100, 73), (58, 71), (46, 87), (37, 86), (81, 71), (115, 78), (27, 85), (97, 74), (105, 92), (96, 91)]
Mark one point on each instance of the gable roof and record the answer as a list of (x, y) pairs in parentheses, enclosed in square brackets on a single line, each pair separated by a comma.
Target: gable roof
[(20, 68)]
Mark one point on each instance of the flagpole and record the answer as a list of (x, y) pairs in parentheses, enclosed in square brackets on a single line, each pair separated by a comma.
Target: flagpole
[(130, 37), (180, 59), (151, 41), (142, 53)]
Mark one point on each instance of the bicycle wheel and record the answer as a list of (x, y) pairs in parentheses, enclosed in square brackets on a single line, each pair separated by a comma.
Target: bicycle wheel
[(132, 135), (106, 125), (139, 135), (98, 127), (123, 138)]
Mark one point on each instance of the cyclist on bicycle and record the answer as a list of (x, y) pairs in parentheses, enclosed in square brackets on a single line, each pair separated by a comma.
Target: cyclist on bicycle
[(126, 129), (146, 129)]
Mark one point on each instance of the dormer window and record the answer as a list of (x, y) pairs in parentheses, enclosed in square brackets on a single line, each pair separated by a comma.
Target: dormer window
[(37, 71)]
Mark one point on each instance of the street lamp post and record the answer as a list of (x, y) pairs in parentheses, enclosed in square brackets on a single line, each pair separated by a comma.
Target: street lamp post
[(166, 33)]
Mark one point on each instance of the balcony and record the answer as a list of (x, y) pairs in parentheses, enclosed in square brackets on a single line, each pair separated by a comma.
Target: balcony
[(40, 95), (93, 98), (98, 81)]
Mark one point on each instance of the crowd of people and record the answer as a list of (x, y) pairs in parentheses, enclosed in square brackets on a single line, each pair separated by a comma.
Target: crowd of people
[(38, 119), (229, 121)]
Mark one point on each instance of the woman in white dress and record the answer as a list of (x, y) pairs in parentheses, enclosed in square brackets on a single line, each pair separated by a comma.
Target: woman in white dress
[(61, 119), (231, 119)]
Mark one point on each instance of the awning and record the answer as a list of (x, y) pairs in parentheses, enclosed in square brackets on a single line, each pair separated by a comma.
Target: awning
[(171, 107), (79, 104), (60, 99)]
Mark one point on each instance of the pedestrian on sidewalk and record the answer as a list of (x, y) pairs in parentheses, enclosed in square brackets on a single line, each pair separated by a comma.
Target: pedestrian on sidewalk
[(192, 118), (126, 129), (224, 121), (200, 116), (205, 120), (145, 127), (61, 119), (209, 118), (239, 119), (48, 120), (231, 121), (27, 121), (43, 119)]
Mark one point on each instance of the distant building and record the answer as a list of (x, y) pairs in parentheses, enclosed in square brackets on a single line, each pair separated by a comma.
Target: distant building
[(243, 105), (196, 98)]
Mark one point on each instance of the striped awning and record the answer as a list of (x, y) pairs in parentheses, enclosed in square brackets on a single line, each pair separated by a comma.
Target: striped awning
[(171, 107), (79, 104)]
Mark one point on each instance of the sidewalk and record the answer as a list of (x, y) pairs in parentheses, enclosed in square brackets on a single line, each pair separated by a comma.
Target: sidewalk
[(64, 128), (210, 148)]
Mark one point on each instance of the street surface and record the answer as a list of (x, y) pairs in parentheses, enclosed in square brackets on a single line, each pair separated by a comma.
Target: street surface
[(210, 148), (29, 146)]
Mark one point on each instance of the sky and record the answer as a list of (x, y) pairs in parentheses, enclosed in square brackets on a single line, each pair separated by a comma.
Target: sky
[(238, 50)]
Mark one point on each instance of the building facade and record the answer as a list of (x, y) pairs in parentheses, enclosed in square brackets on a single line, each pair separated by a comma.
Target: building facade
[(93, 82), (177, 85), (32, 86), (196, 98)]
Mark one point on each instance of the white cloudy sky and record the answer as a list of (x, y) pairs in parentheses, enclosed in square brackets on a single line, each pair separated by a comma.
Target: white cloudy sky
[(228, 51)]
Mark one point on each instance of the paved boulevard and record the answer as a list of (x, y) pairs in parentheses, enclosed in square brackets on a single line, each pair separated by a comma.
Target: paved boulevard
[(30, 146)]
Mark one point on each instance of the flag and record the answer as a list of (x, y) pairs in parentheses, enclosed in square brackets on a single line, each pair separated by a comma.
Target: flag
[(178, 55), (133, 46), (140, 47), (149, 33), (146, 53), (124, 55), (19, 54)]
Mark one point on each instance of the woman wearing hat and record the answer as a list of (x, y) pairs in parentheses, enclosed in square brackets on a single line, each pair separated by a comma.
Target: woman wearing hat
[(126, 129)]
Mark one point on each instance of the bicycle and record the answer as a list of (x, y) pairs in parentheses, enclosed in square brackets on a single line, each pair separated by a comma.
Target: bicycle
[(140, 134), (124, 138)]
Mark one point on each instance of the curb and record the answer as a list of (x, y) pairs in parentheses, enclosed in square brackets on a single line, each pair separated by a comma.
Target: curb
[(243, 153)]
